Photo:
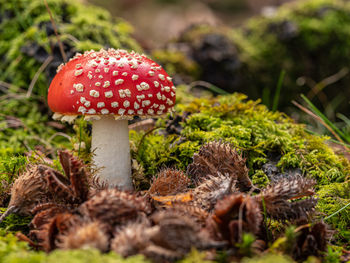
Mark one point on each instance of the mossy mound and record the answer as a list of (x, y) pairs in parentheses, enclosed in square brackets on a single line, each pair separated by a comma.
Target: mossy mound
[(308, 39), (28, 40), (274, 145)]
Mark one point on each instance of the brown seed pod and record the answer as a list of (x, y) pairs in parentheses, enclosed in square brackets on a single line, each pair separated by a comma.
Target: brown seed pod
[(48, 223), (198, 214), (114, 207), (132, 239), (233, 215), (311, 240), (83, 236), (169, 182), (212, 189), (281, 199), (219, 158), (29, 189), (179, 233)]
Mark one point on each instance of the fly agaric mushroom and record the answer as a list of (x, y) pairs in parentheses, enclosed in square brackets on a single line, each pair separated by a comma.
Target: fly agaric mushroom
[(109, 87)]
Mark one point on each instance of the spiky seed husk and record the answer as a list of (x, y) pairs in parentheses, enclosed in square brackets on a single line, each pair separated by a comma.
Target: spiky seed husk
[(198, 214), (281, 199), (113, 207), (233, 215), (132, 239), (179, 233), (311, 240), (218, 157), (29, 189), (169, 182), (84, 236), (212, 189)]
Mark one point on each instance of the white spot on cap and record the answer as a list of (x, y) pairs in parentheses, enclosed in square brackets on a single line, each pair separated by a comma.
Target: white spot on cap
[(82, 99), (97, 70), (106, 84), (106, 70), (169, 102), (121, 111), (94, 93), (109, 94), (100, 104), (146, 103), (156, 84), (167, 88), (121, 65), (114, 104), (144, 86), (87, 104), (126, 103), (91, 111), (140, 111), (97, 84), (78, 65), (136, 105), (169, 78), (161, 76), (94, 64), (124, 74), (159, 96), (78, 72), (119, 81), (172, 94), (163, 97), (90, 75), (135, 77), (100, 76), (173, 88), (155, 105), (160, 112), (115, 73), (140, 97), (124, 93), (162, 107), (151, 73), (72, 91), (150, 95), (150, 111), (104, 111), (130, 111), (82, 109)]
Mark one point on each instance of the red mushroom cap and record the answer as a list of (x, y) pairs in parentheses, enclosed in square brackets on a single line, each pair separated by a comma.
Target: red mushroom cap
[(111, 82)]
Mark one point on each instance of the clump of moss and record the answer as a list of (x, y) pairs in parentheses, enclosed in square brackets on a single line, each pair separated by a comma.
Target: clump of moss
[(28, 38)]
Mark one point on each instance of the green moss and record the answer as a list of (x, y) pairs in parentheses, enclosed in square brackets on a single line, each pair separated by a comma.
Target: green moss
[(28, 39), (268, 258), (332, 198)]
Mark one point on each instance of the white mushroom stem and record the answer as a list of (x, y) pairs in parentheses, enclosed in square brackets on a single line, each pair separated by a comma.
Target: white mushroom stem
[(110, 143)]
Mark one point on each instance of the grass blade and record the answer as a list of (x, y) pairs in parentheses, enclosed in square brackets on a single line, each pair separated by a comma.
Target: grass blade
[(276, 97)]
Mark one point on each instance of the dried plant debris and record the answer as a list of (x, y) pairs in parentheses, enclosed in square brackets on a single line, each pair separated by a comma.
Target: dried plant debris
[(219, 158), (41, 184), (72, 210), (234, 215), (311, 240), (115, 207), (84, 236), (212, 189), (283, 201), (169, 182)]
